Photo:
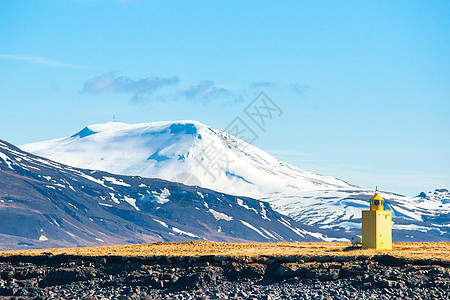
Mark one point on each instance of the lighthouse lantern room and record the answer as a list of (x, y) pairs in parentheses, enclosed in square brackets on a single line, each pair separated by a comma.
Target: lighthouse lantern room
[(377, 225)]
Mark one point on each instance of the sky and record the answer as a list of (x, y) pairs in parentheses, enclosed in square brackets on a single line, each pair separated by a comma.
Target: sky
[(362, 87)]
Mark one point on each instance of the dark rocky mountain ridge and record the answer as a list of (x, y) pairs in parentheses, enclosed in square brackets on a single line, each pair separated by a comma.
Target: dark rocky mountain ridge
[(47, 204)]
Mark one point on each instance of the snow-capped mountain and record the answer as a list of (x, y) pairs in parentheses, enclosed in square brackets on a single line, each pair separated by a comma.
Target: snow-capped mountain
[(195, 154), (168, 150), (414, 218), (47, 204), (438, 195)]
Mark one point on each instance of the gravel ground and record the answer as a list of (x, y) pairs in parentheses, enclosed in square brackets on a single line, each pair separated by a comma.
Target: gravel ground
[(209, 277)]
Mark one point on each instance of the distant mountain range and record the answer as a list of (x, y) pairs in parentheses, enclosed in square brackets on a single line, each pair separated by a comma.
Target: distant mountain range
[(195, 154), (116, 183), (47, 204)]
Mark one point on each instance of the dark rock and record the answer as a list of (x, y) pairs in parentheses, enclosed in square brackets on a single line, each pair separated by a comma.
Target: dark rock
[(65, 276), (244, 270), (286, 270), (388, 260), (5, 291)]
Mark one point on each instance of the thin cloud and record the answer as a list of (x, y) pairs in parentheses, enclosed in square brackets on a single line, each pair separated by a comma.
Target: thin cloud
[(161, 89), (139, 89), (41, 61), (263, 84), (206, 91)]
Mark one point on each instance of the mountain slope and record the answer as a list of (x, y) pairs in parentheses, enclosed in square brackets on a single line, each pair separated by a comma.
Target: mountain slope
[(195, 154), (47, 204)]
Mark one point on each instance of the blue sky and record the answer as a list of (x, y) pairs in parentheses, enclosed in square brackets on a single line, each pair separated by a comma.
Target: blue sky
[(364, 86)]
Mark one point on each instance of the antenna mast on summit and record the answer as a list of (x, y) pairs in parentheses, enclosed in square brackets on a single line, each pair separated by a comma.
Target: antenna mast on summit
[(114, 117)]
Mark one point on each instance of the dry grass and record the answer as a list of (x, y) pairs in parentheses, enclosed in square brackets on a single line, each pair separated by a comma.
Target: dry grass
[(411, 251)]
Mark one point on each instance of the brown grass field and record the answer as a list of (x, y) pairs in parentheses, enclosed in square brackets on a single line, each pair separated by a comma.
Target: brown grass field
[(410, 251)]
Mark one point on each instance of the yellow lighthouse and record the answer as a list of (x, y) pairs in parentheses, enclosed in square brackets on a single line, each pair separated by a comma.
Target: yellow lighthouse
[(377, 225)]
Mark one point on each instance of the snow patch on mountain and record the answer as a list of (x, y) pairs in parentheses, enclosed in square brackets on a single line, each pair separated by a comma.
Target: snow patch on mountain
[(162, 197), (115, 181), (254, 228), (219, 215), (179, 231)]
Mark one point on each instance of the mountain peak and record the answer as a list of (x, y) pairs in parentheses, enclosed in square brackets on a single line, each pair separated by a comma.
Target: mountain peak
[(440, 195), (176, 126)]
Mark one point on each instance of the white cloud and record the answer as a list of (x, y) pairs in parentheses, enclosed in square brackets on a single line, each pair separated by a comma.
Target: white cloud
[(138, 88)]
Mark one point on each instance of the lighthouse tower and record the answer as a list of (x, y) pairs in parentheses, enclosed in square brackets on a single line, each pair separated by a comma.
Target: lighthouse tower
[(377, 225)]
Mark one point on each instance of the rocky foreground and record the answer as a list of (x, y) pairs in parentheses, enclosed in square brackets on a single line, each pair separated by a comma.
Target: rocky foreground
[(65, 276)]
